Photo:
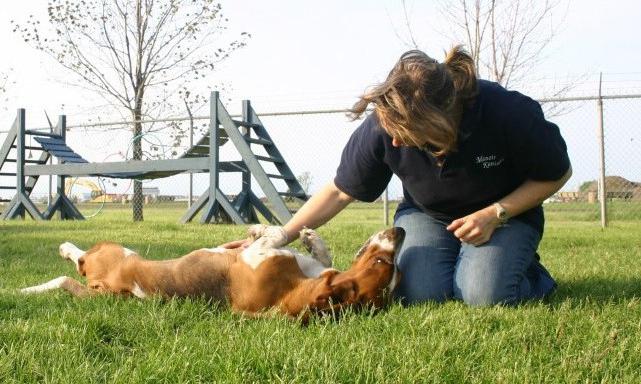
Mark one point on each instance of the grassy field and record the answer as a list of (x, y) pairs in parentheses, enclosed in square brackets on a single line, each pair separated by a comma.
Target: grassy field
[(589, 331)]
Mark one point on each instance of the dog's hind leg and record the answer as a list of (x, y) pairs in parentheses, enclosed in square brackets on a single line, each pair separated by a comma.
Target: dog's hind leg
[(67, 283), (69, 251), (316, 246)]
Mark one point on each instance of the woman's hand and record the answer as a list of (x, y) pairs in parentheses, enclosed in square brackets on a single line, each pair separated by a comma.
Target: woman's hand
[(476, 228)]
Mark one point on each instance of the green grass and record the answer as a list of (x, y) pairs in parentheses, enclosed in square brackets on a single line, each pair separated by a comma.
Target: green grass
[(589, 331), (616, 210)]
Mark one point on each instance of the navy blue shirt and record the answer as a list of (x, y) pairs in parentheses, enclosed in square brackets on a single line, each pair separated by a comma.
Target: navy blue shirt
[(504, 140)]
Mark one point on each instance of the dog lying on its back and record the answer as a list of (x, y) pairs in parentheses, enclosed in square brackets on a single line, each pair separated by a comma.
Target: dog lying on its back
[(261, 277)]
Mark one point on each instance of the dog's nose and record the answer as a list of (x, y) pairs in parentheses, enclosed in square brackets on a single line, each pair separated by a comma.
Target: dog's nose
[(399, 234)]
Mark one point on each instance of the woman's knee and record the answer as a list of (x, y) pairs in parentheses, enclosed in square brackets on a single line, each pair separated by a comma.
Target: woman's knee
[(495, 273), (426, 275), (412, 291), (479, 291)]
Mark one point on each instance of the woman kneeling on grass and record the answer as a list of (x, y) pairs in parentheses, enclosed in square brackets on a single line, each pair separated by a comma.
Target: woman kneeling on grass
[(476, 162)]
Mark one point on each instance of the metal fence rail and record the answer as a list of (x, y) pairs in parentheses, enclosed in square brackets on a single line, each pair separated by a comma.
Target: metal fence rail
[(603, 134)]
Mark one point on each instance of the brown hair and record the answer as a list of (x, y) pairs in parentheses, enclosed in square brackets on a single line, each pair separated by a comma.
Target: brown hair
[(418, 102)]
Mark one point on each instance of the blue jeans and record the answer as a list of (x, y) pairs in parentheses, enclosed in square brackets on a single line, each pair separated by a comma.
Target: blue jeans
[(436, 266)]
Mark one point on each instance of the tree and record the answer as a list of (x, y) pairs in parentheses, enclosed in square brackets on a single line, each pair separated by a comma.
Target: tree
[(5, 82), (506, 38), (135, 53), (305, 180)]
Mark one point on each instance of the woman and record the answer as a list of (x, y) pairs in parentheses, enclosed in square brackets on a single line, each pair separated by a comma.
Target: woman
[(476, 162)]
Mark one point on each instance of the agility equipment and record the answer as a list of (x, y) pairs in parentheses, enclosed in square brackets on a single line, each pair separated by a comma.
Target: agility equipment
[(246, 135)]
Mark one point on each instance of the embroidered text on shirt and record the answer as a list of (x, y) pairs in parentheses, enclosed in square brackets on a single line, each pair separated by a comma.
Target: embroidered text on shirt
[(489, 161)]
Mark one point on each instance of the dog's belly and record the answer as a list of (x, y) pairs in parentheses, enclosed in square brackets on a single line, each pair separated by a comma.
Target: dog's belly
[(310, 267), (201, 273), (254, 290)]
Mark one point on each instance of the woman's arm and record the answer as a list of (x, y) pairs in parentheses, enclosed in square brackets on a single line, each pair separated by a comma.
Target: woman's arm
[(477, 228), (318, 210)]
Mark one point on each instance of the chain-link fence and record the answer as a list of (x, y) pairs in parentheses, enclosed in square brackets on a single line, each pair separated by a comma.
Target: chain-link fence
[(603, 138), (311, 142)]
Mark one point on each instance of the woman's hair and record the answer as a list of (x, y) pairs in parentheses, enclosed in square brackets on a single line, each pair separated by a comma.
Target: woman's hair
[(417, 102)]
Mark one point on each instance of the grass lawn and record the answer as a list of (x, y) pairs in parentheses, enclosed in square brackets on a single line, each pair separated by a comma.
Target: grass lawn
[(589, 331)]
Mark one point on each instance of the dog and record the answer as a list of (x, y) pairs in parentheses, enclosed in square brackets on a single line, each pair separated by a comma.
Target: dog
[(261, 278)]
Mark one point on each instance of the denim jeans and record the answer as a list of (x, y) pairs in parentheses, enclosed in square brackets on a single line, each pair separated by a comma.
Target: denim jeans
[(436, 266)]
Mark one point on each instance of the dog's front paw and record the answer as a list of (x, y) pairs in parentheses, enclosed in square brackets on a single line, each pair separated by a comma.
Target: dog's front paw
[(315, 246), (255, 231), (276, 234), (309, 238)]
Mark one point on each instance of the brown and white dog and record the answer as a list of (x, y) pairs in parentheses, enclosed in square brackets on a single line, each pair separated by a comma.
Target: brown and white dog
[(260, 278)]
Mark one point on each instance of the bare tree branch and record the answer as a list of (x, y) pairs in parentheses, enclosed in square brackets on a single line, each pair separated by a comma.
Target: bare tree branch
[(506, 38), (133, 51), (5, 83)]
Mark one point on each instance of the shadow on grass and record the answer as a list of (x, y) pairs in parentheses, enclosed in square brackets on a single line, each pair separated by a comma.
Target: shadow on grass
[(598, 290)]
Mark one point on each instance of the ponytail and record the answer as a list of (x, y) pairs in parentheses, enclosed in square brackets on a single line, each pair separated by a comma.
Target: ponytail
[(461, 67), (418, 101)]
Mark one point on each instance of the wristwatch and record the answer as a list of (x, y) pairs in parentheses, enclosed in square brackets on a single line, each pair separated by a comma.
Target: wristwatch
[(501, 213)]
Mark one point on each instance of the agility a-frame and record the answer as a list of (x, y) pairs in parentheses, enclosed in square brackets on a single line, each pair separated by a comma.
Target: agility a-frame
[(245, 135)]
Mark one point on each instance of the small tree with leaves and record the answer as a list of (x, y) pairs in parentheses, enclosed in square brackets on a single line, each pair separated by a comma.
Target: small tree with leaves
[(135, 53)]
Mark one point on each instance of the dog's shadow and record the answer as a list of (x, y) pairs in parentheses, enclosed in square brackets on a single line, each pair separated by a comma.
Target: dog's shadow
[(597, 290)]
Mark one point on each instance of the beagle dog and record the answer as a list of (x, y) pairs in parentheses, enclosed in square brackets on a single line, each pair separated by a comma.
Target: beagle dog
[(261, 278)]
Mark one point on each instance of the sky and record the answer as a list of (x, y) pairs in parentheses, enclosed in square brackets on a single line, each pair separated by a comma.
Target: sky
[(342, 47), (329, 52), (320, 55)]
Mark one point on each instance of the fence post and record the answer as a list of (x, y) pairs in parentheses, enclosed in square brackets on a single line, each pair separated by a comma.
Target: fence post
[(191, 174), (385, 208), (20, 159), (61, 129), (602, 186), (50, 161)]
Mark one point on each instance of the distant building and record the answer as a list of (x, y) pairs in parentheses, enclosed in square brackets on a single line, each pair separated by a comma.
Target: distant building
[(616, 187), (152, 192)]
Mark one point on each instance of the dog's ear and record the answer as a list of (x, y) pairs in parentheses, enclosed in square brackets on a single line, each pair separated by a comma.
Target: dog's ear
[(329, 275), (344, 292), (324, 291), (335, 293)]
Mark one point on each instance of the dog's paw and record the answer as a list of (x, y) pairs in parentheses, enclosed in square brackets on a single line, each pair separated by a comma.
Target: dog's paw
[(309, 238), (315, 246), (277, 234), (255, 231), (66, 249)]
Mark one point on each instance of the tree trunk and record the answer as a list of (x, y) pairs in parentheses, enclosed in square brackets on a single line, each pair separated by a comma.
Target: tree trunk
[(138, 199)]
